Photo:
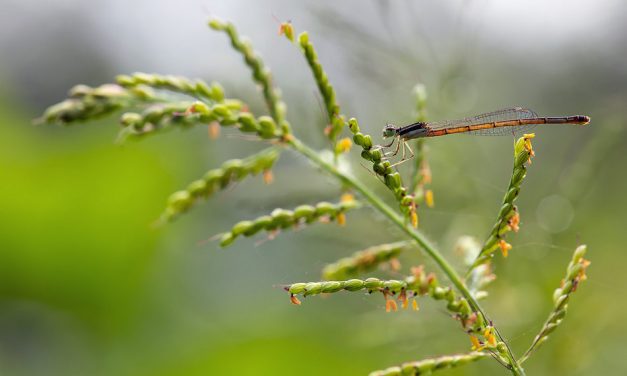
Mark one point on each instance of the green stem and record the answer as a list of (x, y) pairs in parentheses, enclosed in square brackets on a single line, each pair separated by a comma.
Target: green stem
[(416, 235)]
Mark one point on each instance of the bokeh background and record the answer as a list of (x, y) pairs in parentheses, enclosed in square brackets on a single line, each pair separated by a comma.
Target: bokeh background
[(88, 287)]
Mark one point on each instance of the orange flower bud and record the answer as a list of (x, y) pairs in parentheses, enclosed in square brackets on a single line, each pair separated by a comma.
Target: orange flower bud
[(425, 171), (341, 219), (414, 218), (417, 271), (514, 222), (347, 197), (505, 247), (488, 333), (395, 265), (214, 130), (476, 344), (294, 300), (390, 305), (414, 305), (344, 145), (429, 198), (268, 178), (402, 297)]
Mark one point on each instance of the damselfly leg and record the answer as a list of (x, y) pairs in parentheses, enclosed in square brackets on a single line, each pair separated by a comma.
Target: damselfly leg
[(404, 157), (401, 146)]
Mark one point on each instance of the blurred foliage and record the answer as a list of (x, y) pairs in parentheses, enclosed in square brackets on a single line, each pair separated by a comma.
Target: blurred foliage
[(88, 287)]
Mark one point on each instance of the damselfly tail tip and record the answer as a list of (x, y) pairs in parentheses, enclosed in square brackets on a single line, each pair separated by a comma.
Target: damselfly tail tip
[(583, 120)]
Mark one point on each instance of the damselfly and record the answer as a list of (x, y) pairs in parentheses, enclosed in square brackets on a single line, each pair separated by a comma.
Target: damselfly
[(503, 122)]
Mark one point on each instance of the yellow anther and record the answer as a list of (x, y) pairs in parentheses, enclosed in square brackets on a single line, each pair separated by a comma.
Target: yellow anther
[(505, 247), (341, 219), (344, 145), (429, 198), (268, 177), (214, 130)]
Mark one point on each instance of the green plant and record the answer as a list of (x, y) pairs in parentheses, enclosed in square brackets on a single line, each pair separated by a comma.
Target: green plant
[(149, 108)]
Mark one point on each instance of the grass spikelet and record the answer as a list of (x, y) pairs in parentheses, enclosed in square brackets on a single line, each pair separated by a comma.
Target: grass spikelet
[(383, 169), (283, 219), (429, 365), (508, 218), (326, 89), (363, 261), (416, 285), (86, 103), (260, 74), (230, 172), (575, 274), (197, 89)]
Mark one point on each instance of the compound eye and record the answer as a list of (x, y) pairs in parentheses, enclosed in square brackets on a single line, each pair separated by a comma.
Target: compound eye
[(388, 131)]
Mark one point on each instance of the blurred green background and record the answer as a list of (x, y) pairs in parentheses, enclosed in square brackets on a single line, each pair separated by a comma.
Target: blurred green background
[(88, 287)]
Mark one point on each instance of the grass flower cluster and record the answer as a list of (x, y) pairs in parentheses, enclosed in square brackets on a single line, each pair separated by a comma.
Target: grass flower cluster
[(230, 172), (149, 103), (365, 261), (575, 274), (283, 219), (508, 218), (427, 366)]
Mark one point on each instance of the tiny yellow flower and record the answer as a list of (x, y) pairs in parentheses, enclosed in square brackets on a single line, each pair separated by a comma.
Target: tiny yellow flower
[(425, 171), (214, 130), (294, 300), (505, 247), (402, 297), (582, 273), (429, 198), (488, 333), (528, 146), (476, 344), (390, 305), (343, 145), (347, 197), (341, 219), (414, 218), (395, 265), (514, 222), (286, 29), (414, 305), (417, 271), (268, 177)]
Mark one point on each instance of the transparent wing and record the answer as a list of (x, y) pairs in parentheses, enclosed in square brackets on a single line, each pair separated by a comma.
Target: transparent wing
[(514, 113)]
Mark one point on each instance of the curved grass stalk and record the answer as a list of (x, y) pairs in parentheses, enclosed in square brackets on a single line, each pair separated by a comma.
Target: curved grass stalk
[(575, 274), (508, 218), (260, 73), (429, 365), (282, 219), (220, 178), (197, 89), (364, 261), (337, 120), (390, 177), (86, 103)]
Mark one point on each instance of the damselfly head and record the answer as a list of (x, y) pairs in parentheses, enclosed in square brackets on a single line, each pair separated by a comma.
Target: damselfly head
[(389, 131)]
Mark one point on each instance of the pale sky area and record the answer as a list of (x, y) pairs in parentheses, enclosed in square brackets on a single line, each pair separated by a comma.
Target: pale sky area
[(172, 37)]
